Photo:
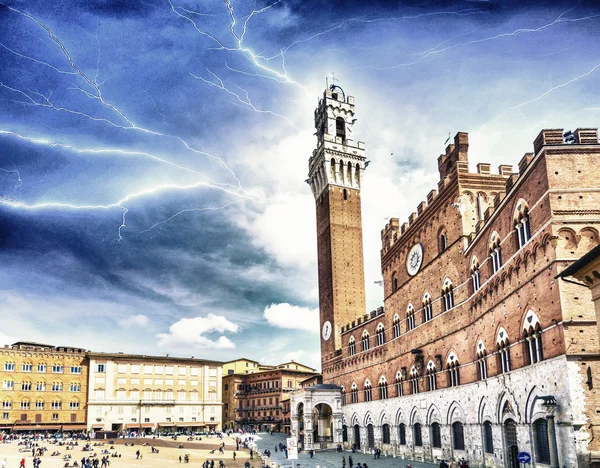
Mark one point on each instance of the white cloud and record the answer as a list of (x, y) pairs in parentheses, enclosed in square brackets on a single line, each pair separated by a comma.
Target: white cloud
[(139, 320), (6, 339), (191, 332), (285, 315)]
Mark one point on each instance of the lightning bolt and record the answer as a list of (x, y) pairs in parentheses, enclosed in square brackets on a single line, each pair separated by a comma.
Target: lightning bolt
[(245, 100), (517, 32), (14, 171), (543, 95)]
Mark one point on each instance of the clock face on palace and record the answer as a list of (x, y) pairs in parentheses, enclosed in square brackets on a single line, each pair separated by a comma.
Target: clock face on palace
[(414, 259), (326, 332)]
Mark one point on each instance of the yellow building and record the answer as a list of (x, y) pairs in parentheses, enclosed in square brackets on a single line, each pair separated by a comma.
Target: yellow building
[(242, 366), (140, 393), (44, 387)]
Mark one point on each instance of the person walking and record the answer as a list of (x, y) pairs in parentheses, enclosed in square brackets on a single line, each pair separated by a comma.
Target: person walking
[(453, 463), (350, 462), (443, 464), (343, 462)]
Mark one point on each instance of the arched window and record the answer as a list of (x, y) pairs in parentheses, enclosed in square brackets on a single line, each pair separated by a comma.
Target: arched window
[(340, 128), (394, 282), (495, 252), (436, 435), (385, 433), (503, 351), (354, 393), (357, 175), (482, 372), (56, 404), (74, 404), (475, 275), (380, 334), (332, 170), (402, 433), (414, 380), (343, 397), (410, 317), (352, 346), (75, 387), (7, 404), (417, 436), (25, 386), (349, 173), (448, 295), (396, 326), (383, 388), (542, 447), (427, 309), (399, 382), (453, 370), (532, 332), (443, 242), (40, 386), (458, 436), (488, 437), (365, 340), (430, 373), (25, 404), (368, 389), (39, 404), (522, 226)]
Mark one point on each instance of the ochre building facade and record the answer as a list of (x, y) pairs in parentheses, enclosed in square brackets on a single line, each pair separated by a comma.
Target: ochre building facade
[(480, 351), (44, 388)]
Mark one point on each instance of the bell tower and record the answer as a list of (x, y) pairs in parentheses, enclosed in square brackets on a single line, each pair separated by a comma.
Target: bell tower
[(335, 173)]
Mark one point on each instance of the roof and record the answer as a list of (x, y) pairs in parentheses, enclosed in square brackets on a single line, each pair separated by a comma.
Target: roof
[(144, 357), (241, 359), (581, 263)]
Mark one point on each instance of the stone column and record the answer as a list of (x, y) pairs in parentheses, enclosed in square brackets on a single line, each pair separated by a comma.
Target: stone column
[(552, 441)]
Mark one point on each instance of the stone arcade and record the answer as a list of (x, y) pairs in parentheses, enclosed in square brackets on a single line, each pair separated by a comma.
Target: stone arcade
[(480, 352)]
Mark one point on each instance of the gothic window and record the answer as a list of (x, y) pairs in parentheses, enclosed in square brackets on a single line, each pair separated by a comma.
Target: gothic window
[(475, 275), (352, 346), (396, 326), (458, 436), (380, 334), (453, 371), (365, 340), (431, 376), (522, 226), (25, 404), (542, 447), (383, 388), (427, 309), (488, 436), (399, 382), (394, 282), (343, 396), (40, 386), (349, 173), (414, 380), (495, 252), (368, 389), (410, 317), (332, 170), (25, 386), (448, 295), (354, 393), (340, 128), (417, 436), (532, 332), (443, 240), (436, 435), (503, 351), (357, 175), (39, 404), (385, 429), (402, 433), (482, 372), (7, 404)]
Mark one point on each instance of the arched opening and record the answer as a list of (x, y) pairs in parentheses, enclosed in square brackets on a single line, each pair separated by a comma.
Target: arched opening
[(356, 436), (322, 418), (417, 435), (402, 433), (344, 433), (385, 433), (370, 436), (458, 436), (512, 444), (488, 437), (540, 437), (340, 128), (301, 424), (436, 435), (345, 194)]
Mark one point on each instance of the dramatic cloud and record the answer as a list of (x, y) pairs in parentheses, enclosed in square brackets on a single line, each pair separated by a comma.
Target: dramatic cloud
[(190, 332), (289, 316)]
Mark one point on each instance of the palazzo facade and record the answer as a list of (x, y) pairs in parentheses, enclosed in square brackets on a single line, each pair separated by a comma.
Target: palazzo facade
[(480, 351)]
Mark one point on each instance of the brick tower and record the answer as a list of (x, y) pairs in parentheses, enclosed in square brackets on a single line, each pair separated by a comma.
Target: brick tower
[(335, 174)]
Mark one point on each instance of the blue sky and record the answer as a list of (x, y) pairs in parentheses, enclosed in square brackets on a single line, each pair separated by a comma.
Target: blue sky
[(153, 154)]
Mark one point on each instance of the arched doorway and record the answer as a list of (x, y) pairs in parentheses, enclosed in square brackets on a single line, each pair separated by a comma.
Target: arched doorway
[(357, 436), (370, 436), (344, 433), (511, 443), (322, 419)]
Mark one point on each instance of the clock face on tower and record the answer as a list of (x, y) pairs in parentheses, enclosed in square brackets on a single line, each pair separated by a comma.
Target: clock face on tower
[(326, 332), (414, 259)]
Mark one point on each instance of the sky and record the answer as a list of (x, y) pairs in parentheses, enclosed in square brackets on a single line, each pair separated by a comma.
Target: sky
[(153, 153)]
